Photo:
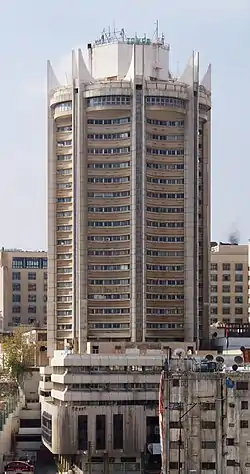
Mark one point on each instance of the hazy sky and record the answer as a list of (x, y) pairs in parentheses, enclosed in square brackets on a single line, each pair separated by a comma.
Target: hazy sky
[(32, 32)]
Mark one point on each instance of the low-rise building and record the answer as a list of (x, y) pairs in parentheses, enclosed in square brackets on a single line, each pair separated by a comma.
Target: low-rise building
[(229, 283), (206, 415), (104, 406), (23, 288)]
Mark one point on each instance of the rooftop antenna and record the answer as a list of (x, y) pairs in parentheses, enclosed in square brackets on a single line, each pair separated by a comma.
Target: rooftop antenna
[(157, 30)]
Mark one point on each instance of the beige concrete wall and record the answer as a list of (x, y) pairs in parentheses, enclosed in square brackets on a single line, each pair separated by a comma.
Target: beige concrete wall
[(225, 280), (31, 296), (11, 426)]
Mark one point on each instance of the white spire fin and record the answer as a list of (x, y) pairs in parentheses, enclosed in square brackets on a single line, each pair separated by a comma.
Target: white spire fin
[(52, 81), (132, 68), (74, 66), (191, 71), (84, 75), (207, 79)]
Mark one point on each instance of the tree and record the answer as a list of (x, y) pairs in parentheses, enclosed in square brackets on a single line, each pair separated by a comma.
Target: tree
[(18, 354)]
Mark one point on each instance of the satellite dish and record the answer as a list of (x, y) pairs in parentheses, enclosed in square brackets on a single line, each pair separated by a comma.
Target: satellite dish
[(179, 353), (209, 357), (235, 367), (220, 360), (239, 360)]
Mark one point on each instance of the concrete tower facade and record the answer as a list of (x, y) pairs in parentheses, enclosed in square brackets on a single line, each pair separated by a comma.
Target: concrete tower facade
[(128, 197)]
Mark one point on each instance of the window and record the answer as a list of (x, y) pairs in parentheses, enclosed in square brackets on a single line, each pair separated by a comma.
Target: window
[(123, 267), (226, 320), (31, 286), (165, 196), (95, 350), (63, 106), (230, 441), (226, 267), (165, 101), (226, 299), (167, 138), (118, 431), (163, 166), (213, 277), (16, 276), (214, 267), (214, 299), (239, 267), (29, 262), (225, 310), (178, 181), (226, 277), (109, 209), (172, 239), (100, 432), (31, 276), (164, 123), (31, 298), (243, 424), (16, 287), (166, 151), (116, 121), (208, 425), (244, 405), (206, 406), (176, 383), (124, 223), (238, 310), (238, 277), (64, 157), (208, 466), (214, 288), (16, 309), (109, 100), (109, 151), (238, 289), (32, 309), (108, 136), (232, 462), (226, 288), (242, 385), (175, 424), (208, 445), (174, 465), (110, 180), (83, 432), (238, 299), (16, 298)]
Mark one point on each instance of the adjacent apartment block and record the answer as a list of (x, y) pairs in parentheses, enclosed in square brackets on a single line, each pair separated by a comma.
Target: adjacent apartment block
[(128, 197), (229, 283), (23, 288), (207, 416)]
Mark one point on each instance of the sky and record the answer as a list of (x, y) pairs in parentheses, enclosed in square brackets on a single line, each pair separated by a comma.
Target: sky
[(32, 32)]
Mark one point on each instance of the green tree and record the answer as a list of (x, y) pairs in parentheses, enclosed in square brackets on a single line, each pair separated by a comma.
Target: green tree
[(18, 354)]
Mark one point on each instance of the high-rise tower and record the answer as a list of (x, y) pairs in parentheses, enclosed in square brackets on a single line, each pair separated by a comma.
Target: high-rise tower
[(128, 197)]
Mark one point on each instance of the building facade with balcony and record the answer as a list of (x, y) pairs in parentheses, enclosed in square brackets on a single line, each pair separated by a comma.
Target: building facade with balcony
[(23, 289), (128, 197), (229, 292)]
